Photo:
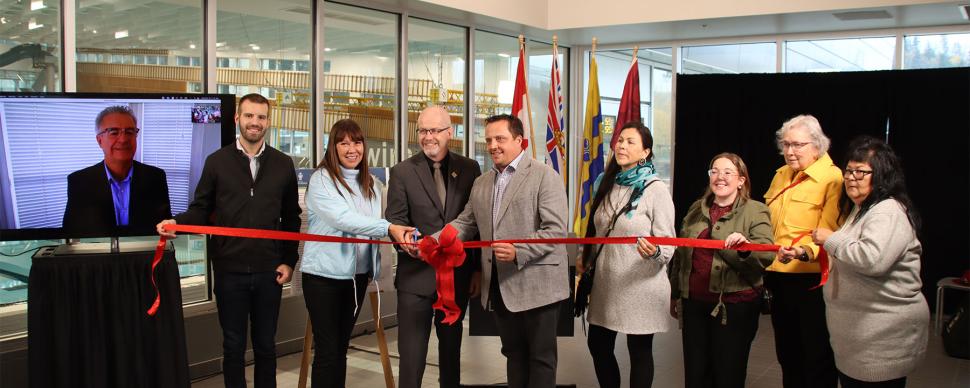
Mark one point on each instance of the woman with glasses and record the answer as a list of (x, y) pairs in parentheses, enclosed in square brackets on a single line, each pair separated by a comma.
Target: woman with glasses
[(719, 290), (631, 290), (803, 196), (877, 316), (342, 199)]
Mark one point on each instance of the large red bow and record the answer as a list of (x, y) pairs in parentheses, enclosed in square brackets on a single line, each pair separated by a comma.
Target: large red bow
[(444, 255)]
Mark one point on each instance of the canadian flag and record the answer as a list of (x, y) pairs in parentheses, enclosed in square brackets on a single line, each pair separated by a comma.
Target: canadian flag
[(521, 107)]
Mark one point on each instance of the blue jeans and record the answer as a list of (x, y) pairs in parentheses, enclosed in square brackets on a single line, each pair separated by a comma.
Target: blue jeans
[(242, 298)]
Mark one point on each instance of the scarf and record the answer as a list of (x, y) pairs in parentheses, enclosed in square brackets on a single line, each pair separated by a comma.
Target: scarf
[(637, 178)]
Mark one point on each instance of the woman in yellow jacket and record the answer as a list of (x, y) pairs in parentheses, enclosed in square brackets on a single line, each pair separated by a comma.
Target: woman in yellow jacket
[(803, 196)]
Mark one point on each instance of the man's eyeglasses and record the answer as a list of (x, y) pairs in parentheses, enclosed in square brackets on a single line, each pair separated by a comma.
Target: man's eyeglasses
[(115, 132), (726, 173), (795, 145), (856, 174), (431, 131)]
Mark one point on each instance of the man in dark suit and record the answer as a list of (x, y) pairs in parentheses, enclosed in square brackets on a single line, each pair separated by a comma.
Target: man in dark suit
[(427, 191), (117, 194)]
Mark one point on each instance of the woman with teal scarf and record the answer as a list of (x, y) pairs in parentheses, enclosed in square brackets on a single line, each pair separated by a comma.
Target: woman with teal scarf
[(631, 292)]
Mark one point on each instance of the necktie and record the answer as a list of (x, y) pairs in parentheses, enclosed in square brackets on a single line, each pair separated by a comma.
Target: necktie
[(439, 183)]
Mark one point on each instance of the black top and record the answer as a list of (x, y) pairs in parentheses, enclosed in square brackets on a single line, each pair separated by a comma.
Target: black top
[(227, 195), (444, 166)]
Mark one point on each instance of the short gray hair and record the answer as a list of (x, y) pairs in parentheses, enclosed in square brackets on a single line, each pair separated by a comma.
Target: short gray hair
[(111, 110), (811, 125)]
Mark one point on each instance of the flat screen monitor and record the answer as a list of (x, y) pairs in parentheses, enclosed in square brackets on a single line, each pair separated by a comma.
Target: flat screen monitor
[(44, 138)]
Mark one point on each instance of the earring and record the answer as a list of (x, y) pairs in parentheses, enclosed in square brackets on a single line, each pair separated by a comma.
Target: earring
[(642, 162)]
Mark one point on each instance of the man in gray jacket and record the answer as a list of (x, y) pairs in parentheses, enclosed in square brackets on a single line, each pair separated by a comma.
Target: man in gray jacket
[(523, 284)]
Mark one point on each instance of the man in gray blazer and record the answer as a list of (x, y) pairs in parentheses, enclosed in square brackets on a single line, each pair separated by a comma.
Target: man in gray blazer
[(427, 191), (522, 283)]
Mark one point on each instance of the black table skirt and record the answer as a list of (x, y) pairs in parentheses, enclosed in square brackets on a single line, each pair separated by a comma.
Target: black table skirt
[(88, 326)]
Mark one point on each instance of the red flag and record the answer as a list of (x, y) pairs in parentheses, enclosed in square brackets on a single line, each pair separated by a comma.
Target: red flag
[(520, 98), (629, 101)]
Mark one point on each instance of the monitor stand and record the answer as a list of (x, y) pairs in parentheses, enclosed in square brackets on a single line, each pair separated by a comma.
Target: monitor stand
[(115, 246)]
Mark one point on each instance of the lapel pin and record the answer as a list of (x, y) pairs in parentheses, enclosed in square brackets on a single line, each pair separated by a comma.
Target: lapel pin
[(454, 174)]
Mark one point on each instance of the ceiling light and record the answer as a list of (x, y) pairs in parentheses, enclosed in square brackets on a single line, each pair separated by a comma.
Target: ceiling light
[(255, 48), (192, 46), (327, 49), (121, 34), (37, 4), (3, 20), (220, 44), (965, 11), (503, 55), (33, 24), (94, 31)]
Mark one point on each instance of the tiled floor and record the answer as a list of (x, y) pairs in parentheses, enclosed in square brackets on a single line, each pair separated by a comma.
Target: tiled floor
[(483, 364)]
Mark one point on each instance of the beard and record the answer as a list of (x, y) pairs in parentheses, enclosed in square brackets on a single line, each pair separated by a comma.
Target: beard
[(253, 137)]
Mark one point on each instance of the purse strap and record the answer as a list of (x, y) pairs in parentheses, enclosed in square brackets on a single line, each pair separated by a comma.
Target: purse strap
[(592, 263)]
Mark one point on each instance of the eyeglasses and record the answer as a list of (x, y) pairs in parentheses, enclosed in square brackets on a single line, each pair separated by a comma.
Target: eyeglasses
[(856, 174), (431, 131), (795, 145), (115, 132), (726, 173)]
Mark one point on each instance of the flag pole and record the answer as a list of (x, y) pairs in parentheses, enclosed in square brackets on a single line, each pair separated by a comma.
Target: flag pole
[(528, 101), (635, 49)]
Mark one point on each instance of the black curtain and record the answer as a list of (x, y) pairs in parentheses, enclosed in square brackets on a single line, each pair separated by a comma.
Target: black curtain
[(926, 114)]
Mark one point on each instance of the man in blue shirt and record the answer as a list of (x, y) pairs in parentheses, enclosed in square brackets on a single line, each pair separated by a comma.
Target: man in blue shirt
[(119, 194)]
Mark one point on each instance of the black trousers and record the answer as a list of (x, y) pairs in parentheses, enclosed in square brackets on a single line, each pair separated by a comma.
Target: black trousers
[(848, 382), (528, 342), (801, 335), (242, 298), (602, 341), (716, 355), (330, 304), (414, 319)]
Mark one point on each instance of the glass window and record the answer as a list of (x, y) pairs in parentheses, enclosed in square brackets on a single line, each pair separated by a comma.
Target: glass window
[(122, 29), (280, 36), (436, 68), (361, 84), (30, 47), (540, 81), (496, 58), (729, 58), (183, 61), (935, 51), (656, 81), (855, 54)]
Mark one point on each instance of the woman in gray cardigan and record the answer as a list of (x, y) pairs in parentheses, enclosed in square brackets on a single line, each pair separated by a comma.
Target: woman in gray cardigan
[(631, 292), (877, 318)]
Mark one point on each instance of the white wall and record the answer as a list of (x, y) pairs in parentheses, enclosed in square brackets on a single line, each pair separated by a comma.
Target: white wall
[(563, 14)]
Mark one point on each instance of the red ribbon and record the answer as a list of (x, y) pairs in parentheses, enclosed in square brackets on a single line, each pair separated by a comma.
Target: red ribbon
[(444, 255), (448, 252)]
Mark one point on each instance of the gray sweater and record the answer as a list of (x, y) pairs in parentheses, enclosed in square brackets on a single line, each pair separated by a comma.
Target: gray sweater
[(631, 294), (877, 318)]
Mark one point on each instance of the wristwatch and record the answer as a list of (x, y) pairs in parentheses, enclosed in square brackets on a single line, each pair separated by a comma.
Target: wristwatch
[(803, 256)]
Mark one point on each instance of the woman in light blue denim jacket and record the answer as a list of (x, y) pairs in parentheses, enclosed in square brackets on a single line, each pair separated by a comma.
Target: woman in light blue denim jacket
[(342, 200)]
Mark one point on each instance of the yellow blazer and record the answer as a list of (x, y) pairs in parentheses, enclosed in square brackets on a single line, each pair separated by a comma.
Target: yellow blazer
[(811, 204)]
